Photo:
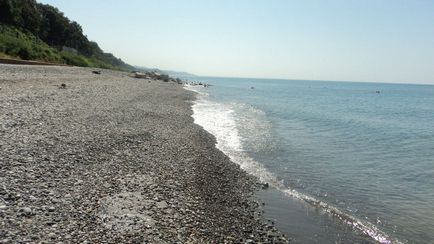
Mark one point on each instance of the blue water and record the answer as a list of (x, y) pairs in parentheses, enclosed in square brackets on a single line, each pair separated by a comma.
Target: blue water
[(364, 157)]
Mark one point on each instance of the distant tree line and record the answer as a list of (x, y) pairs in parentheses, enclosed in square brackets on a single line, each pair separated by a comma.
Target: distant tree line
[(51, 26)]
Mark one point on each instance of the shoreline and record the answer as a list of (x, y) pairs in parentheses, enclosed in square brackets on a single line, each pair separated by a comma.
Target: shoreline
[(117, 159), (297, 214)]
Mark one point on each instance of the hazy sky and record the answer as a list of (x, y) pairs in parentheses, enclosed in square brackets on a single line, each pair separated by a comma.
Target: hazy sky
[(358, 40)]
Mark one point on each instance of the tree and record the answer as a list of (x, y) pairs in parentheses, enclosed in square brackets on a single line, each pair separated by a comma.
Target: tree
[(56, 25)]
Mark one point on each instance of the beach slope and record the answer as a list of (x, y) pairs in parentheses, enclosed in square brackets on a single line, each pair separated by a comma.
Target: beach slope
[(106, 157)]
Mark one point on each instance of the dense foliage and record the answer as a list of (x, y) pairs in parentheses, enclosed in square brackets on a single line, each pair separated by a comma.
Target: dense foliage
[(15, 43), (35, 23)]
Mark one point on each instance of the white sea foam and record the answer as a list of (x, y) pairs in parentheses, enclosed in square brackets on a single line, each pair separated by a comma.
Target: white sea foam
[(220, 120)]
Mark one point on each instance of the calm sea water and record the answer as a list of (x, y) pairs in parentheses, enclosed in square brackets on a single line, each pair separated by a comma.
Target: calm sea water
[(360, 162)]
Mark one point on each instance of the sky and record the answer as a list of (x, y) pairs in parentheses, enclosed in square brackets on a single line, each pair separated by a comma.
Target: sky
[(344, 40)]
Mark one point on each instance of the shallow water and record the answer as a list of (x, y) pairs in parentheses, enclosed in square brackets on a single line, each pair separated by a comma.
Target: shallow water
[(364, 158), (305, 223)]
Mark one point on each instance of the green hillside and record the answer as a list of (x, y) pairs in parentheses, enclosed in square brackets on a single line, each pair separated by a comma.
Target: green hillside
[(33, 31)]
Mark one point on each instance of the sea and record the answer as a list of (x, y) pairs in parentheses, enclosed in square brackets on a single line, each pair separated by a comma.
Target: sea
[(346, 162)]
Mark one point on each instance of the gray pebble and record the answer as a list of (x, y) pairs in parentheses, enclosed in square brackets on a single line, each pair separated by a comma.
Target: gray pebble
[(71, 152)]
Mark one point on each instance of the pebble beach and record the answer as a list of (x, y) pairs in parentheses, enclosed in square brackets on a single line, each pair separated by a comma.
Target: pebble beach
[(109, 158)]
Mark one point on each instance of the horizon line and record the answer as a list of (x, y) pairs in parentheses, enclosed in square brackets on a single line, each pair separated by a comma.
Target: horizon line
[(304, 79)]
